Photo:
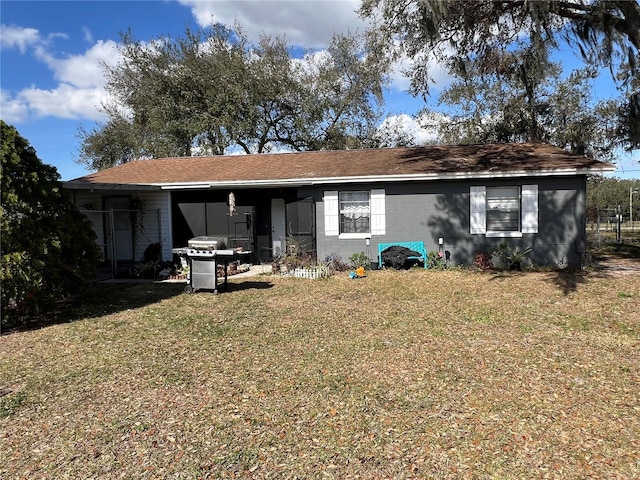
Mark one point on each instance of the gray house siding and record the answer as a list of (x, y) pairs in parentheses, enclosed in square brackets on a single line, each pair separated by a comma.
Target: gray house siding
[(427, 211), (423, 211), (562, 234)]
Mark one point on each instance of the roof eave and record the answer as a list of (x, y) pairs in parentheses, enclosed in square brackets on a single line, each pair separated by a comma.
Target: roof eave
[(71, 185), (302, 182)]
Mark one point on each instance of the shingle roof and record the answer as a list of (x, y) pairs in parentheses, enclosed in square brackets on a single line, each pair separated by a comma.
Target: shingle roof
[(306, 167)]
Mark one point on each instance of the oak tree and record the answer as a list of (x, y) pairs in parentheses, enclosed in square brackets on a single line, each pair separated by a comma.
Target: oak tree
[(212, 91), (605, 32)]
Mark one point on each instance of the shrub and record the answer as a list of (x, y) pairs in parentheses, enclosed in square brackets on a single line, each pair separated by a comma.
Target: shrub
[(360, 259), (48, 245), (335, 263), (483, 261), (436, 261), (510, 258)]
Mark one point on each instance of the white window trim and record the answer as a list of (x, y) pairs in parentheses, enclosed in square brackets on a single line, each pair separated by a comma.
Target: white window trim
[(353, 236), (377, 219), (478, 212), (492, 234)]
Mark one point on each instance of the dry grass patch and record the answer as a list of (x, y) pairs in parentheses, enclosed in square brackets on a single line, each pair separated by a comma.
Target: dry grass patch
[(398, 375)]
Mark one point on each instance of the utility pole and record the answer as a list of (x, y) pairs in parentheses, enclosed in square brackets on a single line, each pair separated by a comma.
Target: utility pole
[(631, 192), (619, 225)]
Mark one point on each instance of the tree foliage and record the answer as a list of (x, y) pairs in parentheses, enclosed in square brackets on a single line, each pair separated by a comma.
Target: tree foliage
[(605, 32), (211, 91), (393, 132), (48, 245), (605, 194), (527, 100)]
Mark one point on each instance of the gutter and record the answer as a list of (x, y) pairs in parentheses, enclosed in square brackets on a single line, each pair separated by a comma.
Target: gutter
[(357, 179), (304, 182)]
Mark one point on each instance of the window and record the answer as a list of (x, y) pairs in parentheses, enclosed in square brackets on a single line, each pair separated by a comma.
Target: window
[(354, 213), (504, 211)]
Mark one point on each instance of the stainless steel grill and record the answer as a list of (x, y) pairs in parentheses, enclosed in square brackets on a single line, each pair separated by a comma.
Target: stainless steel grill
[(205, 242), (204, 255)]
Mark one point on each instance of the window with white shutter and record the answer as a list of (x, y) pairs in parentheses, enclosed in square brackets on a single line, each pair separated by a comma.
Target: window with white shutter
[(505, 211), (354, 213)]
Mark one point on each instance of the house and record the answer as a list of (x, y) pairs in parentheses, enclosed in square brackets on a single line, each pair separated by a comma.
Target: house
[(463, 199)]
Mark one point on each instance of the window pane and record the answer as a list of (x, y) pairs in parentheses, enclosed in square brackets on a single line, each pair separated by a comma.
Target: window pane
[(354, 212), (503, 209)]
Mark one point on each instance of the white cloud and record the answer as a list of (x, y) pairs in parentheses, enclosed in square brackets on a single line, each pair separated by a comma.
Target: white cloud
[(84, 70), (54, 35), (402, 69), (65, 101), (306, 23), (77, 96), (12, 110), (87, 35), (12, 36), (395, 127), (627, 165)]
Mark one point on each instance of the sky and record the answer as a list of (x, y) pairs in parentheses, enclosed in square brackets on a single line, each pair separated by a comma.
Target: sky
[(52, 82)]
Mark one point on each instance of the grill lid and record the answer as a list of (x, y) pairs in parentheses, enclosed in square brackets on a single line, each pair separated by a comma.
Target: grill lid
[(203, 242)]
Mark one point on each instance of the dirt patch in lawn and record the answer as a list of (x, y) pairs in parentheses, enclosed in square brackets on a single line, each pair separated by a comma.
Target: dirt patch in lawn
[(614, 264)]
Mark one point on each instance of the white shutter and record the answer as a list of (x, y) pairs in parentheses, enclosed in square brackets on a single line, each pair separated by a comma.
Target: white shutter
[(530, 209), (478, 210), (378, 212), (331, 214)]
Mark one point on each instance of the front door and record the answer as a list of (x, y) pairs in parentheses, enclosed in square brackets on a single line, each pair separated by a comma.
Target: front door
[(278, 227)]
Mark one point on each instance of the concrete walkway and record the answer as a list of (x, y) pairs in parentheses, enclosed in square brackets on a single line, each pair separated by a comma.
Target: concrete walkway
[(254, 270)]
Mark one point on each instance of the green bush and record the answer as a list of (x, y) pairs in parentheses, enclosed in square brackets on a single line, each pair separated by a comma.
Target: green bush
[(360, 259), (510, 258), (48, 245), (435, 261)]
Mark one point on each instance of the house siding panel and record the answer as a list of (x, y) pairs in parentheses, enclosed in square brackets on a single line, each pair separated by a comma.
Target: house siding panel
[(427, 211), (413, 211)]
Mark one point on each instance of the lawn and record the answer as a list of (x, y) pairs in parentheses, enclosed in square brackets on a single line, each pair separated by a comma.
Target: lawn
[(416, 374)]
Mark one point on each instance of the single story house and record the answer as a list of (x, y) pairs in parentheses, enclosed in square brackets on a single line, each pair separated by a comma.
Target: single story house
[(460, 198)]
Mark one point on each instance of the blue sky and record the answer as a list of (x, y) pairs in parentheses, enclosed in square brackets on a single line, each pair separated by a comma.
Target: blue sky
[(51, 81)]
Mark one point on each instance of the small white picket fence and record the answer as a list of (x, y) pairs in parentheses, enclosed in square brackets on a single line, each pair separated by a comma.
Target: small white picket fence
[(312, 273)]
